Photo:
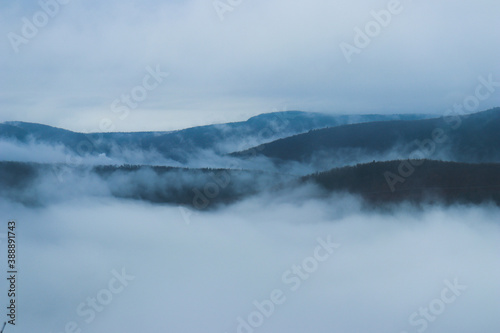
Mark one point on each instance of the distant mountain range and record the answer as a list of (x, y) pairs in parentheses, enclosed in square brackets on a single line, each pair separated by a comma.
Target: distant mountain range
[(466, 138), (178, 145), (382, 159)]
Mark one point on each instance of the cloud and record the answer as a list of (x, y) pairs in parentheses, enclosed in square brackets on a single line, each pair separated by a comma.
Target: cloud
[(263, 55), (32, 152), (203, 276)]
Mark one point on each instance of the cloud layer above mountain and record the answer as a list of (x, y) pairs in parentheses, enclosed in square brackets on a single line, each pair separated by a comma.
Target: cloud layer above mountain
[(265, 55)]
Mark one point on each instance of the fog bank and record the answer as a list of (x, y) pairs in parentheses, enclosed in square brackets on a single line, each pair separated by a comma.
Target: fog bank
[(201, 272)]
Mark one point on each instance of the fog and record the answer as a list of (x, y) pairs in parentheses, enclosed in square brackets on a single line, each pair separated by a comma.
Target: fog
[(139, 249), (38, 152), (208, 158), (32, 152), (200, 271)]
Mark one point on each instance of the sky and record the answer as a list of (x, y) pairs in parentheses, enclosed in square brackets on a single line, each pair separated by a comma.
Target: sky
[(162, 65)]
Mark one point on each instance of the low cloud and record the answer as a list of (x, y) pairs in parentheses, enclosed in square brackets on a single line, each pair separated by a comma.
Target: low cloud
[(204, 275), (32, 152)]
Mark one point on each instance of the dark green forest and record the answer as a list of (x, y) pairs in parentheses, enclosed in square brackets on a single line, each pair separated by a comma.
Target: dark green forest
[(419, 181)]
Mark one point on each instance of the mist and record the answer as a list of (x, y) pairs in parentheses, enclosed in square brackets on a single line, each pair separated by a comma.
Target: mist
[(231, 166), (203, 271)]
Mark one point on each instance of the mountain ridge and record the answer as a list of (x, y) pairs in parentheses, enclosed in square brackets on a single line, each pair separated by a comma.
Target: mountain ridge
[(476, 136), (176, 145)]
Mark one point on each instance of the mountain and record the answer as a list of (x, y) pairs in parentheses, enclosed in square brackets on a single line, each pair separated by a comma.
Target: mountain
[(417, 181), (178, 145), (473, 137), (23, 132), (34, 184), (378, 183), (417, 177), (229, 137)]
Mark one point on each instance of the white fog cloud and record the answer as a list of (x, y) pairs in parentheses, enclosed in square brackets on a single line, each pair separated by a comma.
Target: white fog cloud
[(202, 276)]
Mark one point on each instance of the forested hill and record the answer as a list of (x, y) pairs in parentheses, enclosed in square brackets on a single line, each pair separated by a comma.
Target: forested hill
[(465, 138), (220, 138), (415, 181)]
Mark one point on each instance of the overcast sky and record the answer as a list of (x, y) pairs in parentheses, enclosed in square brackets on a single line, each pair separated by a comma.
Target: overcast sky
[(225, 65)]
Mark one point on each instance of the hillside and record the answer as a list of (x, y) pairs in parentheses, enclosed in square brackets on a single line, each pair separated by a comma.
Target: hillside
[(475, 137), (430, 181), (178, 145), (377, 182), (34, 184)]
